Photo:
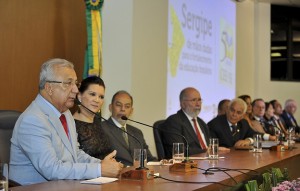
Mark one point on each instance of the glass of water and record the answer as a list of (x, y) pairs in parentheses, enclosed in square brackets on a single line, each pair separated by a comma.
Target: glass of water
[(3, 177), (178, 152), (257, 143), (213, 148)]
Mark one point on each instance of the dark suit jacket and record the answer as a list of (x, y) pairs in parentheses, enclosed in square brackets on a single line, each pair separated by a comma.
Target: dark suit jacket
[(180, 124), (219, 128), (125, 154), (287, 121)]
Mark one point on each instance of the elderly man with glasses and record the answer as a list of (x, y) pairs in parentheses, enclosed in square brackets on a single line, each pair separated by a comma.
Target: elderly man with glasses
[(187, 123), (44, 144), (231, 129)]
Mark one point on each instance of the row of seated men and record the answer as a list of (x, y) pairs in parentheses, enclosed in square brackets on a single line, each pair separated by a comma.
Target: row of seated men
[(51, 143), (238, 120)]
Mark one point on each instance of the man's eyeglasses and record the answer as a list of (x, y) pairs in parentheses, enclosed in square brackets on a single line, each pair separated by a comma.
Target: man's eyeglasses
[(195, 100), (66, 85)]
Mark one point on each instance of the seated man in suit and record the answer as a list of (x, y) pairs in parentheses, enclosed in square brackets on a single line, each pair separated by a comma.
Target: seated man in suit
[(122, 105), (231, 129), (290, 108), (187, 123), (258, 124), (223, 106), (44, 143)]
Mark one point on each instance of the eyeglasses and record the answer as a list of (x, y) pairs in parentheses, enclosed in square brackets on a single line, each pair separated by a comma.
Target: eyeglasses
[(66, 85), (195, 100)]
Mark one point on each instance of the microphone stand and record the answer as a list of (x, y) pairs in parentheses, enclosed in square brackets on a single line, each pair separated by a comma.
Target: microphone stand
[(140, 173), (186, 165)]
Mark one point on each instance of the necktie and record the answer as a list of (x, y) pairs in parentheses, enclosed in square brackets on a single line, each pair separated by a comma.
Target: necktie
[(280, 124), (262, 122), (233, 129), (292, 121), (202, 144), (125, 135), (64, 123)]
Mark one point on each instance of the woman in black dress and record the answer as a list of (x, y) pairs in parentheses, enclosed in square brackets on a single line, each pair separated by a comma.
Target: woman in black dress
[(91, 137)]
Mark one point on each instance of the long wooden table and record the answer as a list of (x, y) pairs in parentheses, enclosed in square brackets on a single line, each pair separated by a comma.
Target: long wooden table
[(235, 159)]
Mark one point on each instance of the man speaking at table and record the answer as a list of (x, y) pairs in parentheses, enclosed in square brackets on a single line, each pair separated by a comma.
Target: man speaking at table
[(44, 143)]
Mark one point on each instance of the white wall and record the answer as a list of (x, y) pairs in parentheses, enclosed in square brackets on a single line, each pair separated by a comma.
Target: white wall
[(253, 56), (135, 57)]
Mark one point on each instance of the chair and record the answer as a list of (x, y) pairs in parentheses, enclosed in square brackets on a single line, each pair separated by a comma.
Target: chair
[(157, 138), (8, 119)]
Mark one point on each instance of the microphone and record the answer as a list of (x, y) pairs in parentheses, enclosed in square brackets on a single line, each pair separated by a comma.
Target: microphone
[(187, 144), (275, 123), (142, 165)]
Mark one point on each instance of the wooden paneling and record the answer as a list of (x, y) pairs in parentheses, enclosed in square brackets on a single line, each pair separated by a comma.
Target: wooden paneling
[(31, 32)]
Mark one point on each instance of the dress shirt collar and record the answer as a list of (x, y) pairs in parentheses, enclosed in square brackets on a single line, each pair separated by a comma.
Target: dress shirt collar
[(230, 124), (257, 118), (117, 123), (57, 113)]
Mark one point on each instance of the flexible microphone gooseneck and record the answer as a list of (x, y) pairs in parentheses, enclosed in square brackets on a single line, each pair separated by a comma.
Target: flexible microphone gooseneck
[(187, 144), (142, 162)]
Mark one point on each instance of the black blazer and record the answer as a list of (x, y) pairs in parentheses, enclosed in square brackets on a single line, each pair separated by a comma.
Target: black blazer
[(219, 128), (287, 121), (125, 154), (180, 124)]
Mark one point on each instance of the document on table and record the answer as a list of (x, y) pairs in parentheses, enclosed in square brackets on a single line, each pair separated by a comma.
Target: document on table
[(100, 180), (203, 158)]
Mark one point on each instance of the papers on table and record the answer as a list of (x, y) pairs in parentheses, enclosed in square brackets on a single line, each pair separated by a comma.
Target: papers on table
[(154, 163), (169, 162), (203, 158), (268, 144), (100, 180)]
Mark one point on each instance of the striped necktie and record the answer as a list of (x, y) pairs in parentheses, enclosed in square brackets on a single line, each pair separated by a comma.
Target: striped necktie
[(125, 135), (202, 144), (233, 129)]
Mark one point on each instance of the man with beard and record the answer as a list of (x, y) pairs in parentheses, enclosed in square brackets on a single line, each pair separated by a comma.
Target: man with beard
[(187, 123)]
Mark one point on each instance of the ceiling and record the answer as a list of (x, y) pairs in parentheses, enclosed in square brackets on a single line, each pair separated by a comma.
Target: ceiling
[(292, 3)]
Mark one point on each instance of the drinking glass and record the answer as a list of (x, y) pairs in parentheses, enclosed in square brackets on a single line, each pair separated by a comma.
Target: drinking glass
[(137, 157), (257, 144), (178, 152), (213, 148)]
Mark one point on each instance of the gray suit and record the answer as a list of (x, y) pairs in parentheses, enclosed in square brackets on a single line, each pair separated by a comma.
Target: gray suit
[(125, 153), (41, 151)]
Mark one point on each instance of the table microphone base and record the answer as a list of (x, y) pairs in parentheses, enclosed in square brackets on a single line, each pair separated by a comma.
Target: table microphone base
[(186, 166), (143, 175), (279, 148)]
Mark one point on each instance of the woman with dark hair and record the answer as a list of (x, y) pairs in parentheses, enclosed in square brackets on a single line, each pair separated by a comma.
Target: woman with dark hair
[(248, 114), (271, 127), (91, 137), (277, 108)]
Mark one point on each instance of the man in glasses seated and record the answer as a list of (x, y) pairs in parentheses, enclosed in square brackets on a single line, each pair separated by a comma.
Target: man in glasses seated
[(231, 129), (187, 123), (44, 143)]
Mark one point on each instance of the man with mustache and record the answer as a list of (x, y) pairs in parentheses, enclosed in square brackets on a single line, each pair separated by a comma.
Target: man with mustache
[(187, 123)]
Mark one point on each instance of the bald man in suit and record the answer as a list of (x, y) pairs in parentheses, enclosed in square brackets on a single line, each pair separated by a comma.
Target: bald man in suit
[(122, 105), (187, 123)]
